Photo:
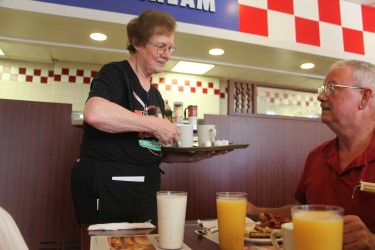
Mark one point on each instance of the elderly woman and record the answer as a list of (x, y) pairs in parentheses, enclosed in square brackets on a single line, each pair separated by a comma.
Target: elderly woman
[(117, 175)]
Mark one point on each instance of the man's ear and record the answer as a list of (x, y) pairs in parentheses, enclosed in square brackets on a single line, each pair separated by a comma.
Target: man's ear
[(366, 96)]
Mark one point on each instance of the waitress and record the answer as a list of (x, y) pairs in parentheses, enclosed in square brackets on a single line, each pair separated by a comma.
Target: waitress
[(118, 174)]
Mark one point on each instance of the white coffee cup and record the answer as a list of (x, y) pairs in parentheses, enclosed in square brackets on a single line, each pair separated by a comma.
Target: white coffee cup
[(206, 135), (288, 238), (186, 135), (171, 206)]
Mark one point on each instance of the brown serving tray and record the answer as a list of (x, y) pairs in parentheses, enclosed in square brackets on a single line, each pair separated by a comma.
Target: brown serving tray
[(211, 148)]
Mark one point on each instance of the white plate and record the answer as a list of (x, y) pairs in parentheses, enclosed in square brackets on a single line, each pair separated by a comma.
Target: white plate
[(261, 240)]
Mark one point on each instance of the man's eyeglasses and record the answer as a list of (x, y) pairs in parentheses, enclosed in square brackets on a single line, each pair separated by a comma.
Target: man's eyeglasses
[(328, 88), (162, 49)]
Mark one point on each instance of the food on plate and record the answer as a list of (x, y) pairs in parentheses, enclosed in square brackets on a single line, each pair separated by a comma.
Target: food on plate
[(253, 230), (142, 239), (271, 220), (262, 229), (249, 227), (138, 242)]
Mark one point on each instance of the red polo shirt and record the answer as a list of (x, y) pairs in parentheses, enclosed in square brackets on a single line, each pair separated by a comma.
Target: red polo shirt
[(322, 182)]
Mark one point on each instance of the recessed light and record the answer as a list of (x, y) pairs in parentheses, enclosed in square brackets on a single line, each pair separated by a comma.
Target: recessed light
[(98, 36), (307, 66), (216, 52), (1, 53), (192, 67)]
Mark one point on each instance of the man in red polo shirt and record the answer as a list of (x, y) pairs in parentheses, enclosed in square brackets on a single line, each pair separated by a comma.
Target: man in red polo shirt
[(334, 169)]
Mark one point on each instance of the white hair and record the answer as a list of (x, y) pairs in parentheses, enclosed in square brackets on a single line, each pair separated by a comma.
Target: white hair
[(363, 72)]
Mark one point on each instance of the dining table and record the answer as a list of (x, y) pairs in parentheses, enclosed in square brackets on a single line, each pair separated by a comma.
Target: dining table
[(192, 239)]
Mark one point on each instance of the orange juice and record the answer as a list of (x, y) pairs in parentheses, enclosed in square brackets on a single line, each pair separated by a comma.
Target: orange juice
[(231, 215), (321, 230)]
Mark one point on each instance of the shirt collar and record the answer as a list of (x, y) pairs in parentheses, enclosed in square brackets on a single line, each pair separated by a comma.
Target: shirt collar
[(331, 152)]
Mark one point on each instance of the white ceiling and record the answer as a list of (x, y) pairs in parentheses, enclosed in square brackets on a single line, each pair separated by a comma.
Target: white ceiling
[(37, 37), (363, 2)]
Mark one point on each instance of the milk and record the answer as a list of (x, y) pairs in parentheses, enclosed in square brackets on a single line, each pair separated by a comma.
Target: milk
[(171, 207)]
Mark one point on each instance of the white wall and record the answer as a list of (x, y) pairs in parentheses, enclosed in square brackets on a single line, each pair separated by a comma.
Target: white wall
[(70, 83)]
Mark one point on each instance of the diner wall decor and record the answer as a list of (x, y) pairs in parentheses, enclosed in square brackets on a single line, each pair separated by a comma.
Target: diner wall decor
[(63, 82), (240, 98), (246, 98), (287, 102), (70, 83)]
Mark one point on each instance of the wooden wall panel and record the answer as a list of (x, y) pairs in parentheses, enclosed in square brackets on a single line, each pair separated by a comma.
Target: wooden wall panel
[(38, 147), (268, 170)]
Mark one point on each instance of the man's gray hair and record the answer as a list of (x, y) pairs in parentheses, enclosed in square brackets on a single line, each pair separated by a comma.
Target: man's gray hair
[(363, 72)]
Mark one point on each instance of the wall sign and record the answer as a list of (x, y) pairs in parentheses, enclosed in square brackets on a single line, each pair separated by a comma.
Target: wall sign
[(213, 13)]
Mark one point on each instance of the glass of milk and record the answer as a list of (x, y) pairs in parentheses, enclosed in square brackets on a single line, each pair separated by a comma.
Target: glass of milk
[(171, 206)]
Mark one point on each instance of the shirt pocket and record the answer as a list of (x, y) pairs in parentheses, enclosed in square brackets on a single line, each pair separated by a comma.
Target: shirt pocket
[(366, 196)]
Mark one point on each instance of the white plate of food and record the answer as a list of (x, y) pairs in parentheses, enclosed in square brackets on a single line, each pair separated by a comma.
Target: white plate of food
[(259, 235), (261, 240), (260, 232)]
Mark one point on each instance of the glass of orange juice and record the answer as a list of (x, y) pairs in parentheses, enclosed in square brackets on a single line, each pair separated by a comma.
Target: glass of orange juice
[(318, 227), (231, 216)]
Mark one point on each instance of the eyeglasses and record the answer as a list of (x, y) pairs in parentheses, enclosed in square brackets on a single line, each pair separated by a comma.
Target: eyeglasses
[(162, 49), (328, 88)]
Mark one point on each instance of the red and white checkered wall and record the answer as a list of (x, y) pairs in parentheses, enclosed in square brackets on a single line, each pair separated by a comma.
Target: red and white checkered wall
[(84, 76), (69, 83), (335, 25), (45, 76), (165, 84)]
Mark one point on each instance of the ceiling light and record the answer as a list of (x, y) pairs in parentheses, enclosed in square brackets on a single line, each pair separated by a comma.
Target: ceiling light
[(192, 67), (216, 52), (1, 53), (307, 66), (98, 36)]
